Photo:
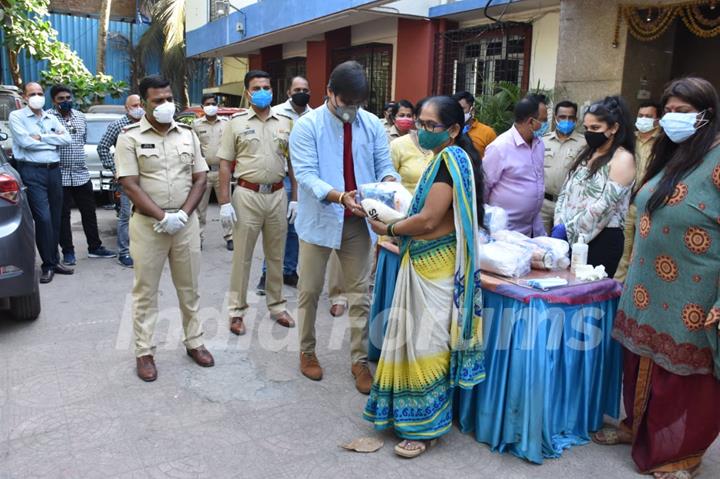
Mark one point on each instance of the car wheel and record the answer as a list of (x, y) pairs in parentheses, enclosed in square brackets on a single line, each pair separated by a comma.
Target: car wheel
[(26, 308)]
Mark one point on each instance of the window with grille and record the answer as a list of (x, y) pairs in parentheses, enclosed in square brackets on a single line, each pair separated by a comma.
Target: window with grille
[(474, 59), (376, 58), (281, 74)]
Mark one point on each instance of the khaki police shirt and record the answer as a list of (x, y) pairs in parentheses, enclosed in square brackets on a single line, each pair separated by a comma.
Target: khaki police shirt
[(259, 148), (643, 149), (559, 156), (164, 163), (210, 133)]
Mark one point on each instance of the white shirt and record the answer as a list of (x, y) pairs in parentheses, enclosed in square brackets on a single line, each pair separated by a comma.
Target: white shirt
[(288, 110)]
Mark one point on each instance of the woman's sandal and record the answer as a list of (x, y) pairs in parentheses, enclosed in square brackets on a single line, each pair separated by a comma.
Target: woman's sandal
[(422, 446), (684, 474), (611, 436)]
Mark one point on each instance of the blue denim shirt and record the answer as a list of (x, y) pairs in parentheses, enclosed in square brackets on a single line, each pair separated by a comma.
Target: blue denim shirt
[(24, 123), (316, 152)]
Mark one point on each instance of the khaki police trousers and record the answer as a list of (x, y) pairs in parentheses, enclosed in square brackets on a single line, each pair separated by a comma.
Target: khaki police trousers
[(547, 213), (256, 213), (353, 257), (150, 250), (213, 183)]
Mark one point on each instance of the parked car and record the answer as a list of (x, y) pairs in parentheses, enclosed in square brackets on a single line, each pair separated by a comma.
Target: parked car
[(19, 275), (117, 109), (97, 125), (10, 100)]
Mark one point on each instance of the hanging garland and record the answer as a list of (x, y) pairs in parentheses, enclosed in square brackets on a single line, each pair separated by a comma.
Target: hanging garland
[(648, 22), (696, 21)]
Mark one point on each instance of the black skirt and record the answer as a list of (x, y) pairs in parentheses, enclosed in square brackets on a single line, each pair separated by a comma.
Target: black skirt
[(607, 249)]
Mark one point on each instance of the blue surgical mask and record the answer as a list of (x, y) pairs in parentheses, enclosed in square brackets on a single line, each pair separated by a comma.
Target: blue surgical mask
[(544, 126), (681, 126), (565, 127), (261, 98)]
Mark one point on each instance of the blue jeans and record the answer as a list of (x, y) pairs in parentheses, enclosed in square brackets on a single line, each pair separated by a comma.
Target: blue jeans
[(123, 230), (45, 195), (292, 246)]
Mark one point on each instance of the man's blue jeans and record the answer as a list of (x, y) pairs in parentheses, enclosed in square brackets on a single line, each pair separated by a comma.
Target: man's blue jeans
[(45, 195), (123, 227), (291, 243)]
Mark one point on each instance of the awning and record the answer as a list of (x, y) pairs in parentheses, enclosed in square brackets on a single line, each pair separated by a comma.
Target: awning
[(234, 88)]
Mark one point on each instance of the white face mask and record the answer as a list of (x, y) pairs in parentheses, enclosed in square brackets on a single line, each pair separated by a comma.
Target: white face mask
[(165, 112), (210, 110), (645, 125), (136, 113), (36, 102)]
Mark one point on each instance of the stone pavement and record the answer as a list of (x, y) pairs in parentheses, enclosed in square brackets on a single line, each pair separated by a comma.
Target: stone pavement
[(72, 407)]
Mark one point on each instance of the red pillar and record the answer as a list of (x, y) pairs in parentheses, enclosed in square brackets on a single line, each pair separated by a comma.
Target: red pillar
[(415, 54), (254, 62), (318, 63)]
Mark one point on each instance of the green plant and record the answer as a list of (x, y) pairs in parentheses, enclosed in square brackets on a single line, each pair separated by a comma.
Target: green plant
[(496, 110), (27, 31)]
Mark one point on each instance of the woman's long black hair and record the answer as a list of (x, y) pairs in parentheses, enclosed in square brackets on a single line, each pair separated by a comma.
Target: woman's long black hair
[(611, 110), (677, 160), (451, 113)]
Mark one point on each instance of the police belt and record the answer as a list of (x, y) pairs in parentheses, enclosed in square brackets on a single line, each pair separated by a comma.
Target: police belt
[(261, 188)]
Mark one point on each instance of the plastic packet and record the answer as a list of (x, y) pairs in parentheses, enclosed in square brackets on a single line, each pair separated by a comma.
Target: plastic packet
[(496, 218), (388, 201), (506, 259)]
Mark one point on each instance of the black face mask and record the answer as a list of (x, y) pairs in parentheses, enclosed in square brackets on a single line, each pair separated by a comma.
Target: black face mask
[(595, 139), (300, 98), (65, 106)]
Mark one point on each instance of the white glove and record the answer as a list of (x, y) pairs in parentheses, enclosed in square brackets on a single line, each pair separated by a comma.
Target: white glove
[(171, 223), (227, 215), (292, 212)]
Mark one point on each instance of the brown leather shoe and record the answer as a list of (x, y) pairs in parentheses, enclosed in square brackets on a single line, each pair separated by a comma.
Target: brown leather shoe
[(310, 366), (201, 356), (337, 310), (237, 326), (146, 368), (284, 319), (363, 377)]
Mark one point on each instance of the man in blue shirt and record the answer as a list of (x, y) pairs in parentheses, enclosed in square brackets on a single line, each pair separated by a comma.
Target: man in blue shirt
[(335, 149), (36, 138)]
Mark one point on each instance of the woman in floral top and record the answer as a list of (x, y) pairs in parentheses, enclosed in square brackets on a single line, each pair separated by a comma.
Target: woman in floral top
[(669, 313), (594, 200)]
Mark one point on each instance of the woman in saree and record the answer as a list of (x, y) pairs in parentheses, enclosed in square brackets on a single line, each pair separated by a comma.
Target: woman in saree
[(669, 313), (433, 341)]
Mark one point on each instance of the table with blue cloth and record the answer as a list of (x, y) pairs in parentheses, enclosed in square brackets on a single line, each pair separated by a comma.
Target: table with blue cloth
[(553, 370)]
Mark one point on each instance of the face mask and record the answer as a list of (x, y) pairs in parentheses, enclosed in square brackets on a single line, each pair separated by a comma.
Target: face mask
[(681, 126), (346, 114), (165, 112), (644, 125), (544, 127), (136, 113), (565, 127), (595, 139), (404, 123), (429, 140), (261, 98), (210, 110), (301, 99), (65, 105), (468, 115), (36, 102)]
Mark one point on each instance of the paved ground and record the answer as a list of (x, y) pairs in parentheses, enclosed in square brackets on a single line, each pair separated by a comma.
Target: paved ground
[(72, 407)]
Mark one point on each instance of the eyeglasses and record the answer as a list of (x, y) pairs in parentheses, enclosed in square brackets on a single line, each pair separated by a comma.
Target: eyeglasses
[(428, 125)]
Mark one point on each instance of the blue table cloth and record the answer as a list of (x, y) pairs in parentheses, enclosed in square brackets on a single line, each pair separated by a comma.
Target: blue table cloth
[(552, 368)]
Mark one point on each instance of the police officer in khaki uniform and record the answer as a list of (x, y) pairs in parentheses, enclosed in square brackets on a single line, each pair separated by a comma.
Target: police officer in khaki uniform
[(562, 146), (257, 140), (209, 130), (161, 168)]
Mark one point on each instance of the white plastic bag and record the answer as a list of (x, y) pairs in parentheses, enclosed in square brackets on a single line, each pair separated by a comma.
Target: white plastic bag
[(379, 211), (390, 193), (496, 218), (505, 259)]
